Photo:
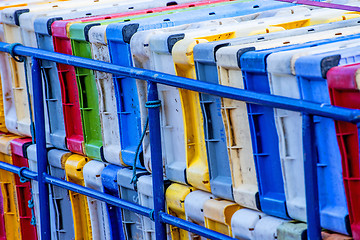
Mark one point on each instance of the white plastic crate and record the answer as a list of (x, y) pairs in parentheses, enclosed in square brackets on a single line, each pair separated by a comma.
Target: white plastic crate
[(194, 209), (98, 211), (252, 225), (107, 101)]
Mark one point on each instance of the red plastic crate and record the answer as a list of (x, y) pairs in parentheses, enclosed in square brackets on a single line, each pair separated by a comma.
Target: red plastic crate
[(344, 92), (69, 92), (23, 190)]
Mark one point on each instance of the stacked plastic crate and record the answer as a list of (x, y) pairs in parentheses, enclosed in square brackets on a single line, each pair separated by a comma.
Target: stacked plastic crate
[(234, 167)]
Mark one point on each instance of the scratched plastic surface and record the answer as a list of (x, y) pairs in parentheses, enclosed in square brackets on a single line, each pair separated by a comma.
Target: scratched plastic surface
[(119, 43), (99, 214), (271, 195), (253, 225), (146, 199), (194, 209)]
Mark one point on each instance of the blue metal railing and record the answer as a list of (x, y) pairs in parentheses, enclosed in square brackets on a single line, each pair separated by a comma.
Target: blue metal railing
[(158, 214)]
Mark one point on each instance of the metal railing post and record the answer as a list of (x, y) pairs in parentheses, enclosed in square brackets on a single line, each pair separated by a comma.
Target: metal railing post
[(156, 161), (41, 152), (311, 180)]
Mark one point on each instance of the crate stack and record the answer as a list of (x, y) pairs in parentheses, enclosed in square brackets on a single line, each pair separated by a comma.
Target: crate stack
[(233, 167)]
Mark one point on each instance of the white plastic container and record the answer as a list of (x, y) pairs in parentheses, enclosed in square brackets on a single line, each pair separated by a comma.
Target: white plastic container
[(194, 209), (98, 211), (107, 101), (253, 225)]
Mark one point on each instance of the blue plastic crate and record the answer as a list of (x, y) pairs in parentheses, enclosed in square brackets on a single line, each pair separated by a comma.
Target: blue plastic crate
[(311, 74), (109, 180)]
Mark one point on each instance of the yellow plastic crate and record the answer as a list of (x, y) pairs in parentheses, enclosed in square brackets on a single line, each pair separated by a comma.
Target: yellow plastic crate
[(175, 197), (8, 189), (74, 173)]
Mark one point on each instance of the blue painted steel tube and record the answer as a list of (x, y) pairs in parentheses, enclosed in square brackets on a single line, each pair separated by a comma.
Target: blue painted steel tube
[(310, 173), (336, 113), (14, 169), (156, 162), (41, 152)]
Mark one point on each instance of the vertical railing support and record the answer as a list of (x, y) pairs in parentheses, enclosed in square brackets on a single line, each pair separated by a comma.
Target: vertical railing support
[(41, 152), (156, 160), (311, 180)]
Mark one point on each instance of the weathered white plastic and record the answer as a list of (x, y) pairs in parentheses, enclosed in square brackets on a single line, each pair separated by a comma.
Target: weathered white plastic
[(244, 181), (146, 199), (266, 228), (283, 82), (99, 216), (107, 101), (131, 220), (243, 223), (7, 92), (253, 225), (145, 192), (194, 209)]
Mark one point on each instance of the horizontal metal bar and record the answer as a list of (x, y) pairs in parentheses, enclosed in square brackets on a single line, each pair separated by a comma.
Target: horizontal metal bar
[(166, 218), (192, 227), (14, 169), (98, 195), (337, 113)]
